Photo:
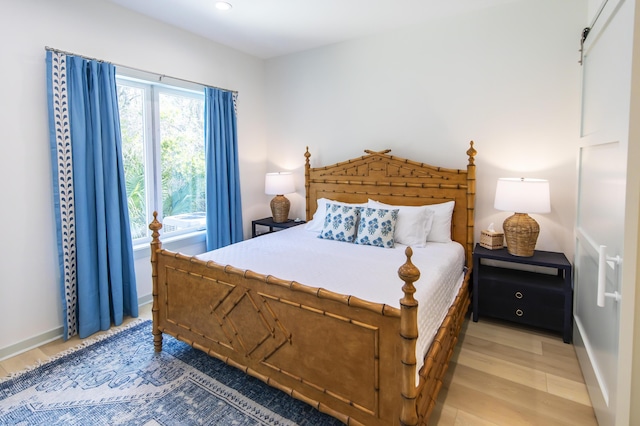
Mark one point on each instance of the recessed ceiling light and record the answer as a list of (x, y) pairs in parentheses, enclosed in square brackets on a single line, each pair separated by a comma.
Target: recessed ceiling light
[(223, 5)]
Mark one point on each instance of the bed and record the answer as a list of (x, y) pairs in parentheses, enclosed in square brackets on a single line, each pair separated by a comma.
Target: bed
[(353, 357)]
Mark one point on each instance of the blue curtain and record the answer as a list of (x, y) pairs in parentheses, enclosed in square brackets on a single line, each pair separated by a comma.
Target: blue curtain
[(224, 209), (98, 283)]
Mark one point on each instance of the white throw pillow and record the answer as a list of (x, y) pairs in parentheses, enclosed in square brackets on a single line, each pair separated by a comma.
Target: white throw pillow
[(441, 226), (413, 225), (317, 223), (340, 222), (377, 227)]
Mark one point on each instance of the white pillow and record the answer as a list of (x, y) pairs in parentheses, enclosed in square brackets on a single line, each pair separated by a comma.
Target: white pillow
[(413, 225), (340, 223), (441, 226), (377, 227), (317, 223)]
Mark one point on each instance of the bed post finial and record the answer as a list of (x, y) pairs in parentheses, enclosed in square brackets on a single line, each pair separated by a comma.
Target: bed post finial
[(155, 226), (409, 333), (471, 152)]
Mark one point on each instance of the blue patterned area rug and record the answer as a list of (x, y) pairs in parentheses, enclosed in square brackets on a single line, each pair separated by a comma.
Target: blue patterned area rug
[(120, 380)]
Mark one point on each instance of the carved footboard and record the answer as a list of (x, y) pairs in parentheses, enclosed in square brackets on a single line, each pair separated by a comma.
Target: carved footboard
[(338, 353), (352, 359)]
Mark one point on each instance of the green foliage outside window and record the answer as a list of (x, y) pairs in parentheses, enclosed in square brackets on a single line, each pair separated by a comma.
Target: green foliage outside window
[(182, 158)]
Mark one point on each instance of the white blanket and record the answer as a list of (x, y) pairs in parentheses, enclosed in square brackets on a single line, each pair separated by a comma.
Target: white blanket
[(367, 272)]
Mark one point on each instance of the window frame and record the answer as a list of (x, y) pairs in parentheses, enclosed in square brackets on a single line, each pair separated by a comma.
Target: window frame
[(153, 86)]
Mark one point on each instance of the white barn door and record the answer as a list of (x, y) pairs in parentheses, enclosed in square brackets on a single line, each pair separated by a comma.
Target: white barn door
[(600, 221)]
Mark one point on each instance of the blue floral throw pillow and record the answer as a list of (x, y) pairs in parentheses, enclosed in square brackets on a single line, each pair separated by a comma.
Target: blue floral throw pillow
[(377, 227), (340, 223)]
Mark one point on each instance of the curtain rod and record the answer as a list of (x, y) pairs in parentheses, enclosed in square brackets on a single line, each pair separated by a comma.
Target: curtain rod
[(160, 76)]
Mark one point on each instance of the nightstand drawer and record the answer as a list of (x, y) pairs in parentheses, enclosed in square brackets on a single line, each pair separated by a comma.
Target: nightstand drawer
[(521, 296), (544, 292), (538, 316)]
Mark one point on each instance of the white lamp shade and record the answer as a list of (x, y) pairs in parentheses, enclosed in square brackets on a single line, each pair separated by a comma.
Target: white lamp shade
[(279, 183), (520, 195)]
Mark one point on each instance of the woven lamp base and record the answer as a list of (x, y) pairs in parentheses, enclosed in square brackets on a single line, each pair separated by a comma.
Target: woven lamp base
[(521, 233), (280, 209)]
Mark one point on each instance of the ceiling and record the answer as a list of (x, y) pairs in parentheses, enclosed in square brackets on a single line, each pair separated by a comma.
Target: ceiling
[(271, 28)]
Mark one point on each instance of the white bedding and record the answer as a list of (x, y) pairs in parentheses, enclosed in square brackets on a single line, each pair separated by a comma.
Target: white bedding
[(351, 269)]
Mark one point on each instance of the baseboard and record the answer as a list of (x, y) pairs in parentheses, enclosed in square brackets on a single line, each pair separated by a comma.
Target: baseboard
[(31, 343), (46, 337), (144, 300)]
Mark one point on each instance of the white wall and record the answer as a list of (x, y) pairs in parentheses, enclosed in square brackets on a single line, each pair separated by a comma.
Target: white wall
[(506, 77), (29, 275)]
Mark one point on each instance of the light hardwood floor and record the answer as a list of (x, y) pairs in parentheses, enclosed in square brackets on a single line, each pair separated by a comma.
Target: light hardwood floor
[(503, 374), (500, 374)]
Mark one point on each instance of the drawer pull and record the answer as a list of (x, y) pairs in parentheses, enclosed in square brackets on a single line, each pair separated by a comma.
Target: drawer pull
[(518, 295), (519, 312)]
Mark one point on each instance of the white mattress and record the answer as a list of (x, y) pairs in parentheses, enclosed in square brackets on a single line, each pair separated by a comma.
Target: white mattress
[(370, 273)]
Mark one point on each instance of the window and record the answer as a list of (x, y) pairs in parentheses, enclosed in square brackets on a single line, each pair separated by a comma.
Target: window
[(163, 150)]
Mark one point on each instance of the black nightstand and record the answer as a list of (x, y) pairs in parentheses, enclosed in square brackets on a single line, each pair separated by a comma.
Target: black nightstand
[(533, 298), (273, 226)]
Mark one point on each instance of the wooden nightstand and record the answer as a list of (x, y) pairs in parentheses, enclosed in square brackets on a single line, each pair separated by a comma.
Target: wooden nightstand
[(273, 226), (533, 298)]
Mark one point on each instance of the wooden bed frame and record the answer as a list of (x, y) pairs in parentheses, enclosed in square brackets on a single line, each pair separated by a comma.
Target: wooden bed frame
[(350, 358)]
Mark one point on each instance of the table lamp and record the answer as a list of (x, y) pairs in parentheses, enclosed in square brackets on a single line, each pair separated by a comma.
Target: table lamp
[(278, 184), (522, 196)]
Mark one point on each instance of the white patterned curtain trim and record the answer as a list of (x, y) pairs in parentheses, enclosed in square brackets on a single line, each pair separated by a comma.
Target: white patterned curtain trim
[(235, 104), (64, 195)]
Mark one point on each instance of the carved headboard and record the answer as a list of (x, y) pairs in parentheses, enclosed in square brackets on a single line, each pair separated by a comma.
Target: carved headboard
[(398, 181)]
